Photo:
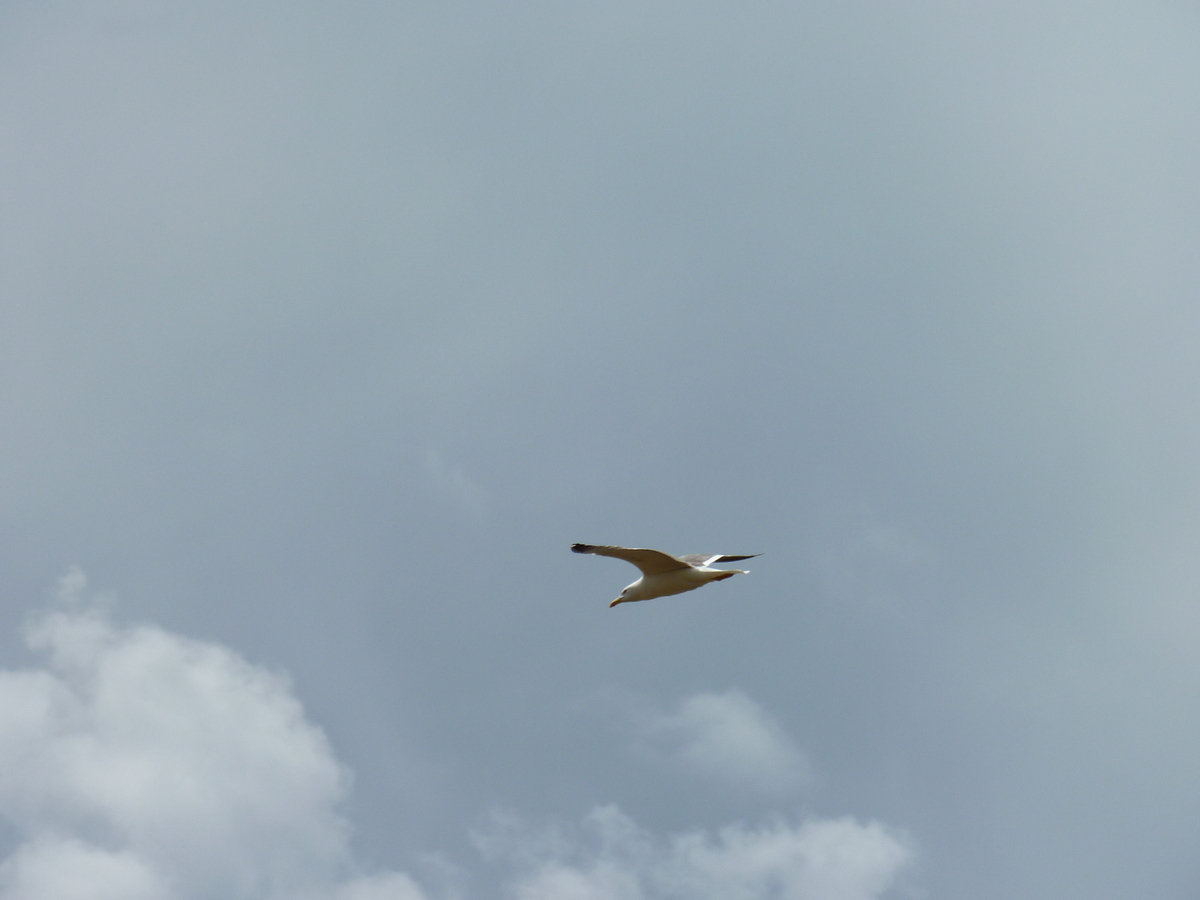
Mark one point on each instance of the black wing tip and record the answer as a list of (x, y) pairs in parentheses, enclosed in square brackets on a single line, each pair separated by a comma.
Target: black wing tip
[(582, 548), (725, 559)]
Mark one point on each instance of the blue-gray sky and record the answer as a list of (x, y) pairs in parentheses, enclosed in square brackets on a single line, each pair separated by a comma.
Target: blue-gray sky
[(325, 329)]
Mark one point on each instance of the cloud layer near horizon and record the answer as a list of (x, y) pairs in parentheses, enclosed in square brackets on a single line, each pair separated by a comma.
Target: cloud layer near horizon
[(138, 764)]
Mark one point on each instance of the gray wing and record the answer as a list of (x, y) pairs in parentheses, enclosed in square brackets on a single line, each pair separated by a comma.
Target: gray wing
[(704, 559), (651, 562)]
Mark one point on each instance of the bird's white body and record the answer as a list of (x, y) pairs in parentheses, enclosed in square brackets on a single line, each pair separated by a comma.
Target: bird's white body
[(663, 574), (664, 585)]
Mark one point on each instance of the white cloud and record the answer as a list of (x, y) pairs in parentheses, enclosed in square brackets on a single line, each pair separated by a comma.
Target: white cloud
[(137, 764), (68, 869), (615, 859), (71, 585), (141, 764), (729, 738)]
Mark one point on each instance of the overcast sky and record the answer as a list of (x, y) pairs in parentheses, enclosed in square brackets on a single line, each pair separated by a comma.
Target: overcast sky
[(326, 328)]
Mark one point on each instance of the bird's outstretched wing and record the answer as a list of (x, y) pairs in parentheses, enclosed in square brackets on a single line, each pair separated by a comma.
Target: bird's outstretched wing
[(707, 559), (651, 562)]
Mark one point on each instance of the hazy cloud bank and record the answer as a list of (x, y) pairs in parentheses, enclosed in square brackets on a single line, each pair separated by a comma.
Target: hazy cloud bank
[(142, 765)]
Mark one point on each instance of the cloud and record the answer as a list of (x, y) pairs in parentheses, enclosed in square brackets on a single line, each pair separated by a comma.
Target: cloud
[(69, 869), (71, 585), (612, 858), (728, 738), (137, 764), (141, 764), (389, 886)]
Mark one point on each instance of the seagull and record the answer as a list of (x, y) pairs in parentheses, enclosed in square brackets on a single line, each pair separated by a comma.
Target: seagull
[(664, 574)]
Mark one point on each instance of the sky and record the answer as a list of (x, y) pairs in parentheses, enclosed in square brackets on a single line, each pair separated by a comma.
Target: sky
[(326, 329)]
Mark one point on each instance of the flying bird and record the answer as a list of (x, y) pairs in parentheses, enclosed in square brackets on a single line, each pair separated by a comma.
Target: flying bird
[(664, 574)]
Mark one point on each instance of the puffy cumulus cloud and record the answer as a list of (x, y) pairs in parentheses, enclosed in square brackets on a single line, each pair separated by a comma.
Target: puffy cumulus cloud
[(68, 869), (612, 858), (141, 765), (727, 737)]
